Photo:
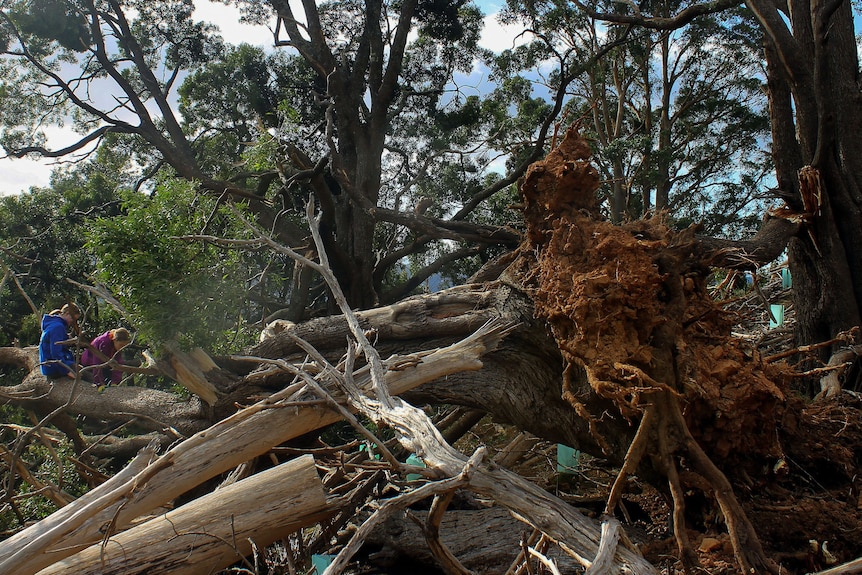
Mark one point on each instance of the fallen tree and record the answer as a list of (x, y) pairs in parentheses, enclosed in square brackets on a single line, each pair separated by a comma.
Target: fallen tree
[(653, 381)]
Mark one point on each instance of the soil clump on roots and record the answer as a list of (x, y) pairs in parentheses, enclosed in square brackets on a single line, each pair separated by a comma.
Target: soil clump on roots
[(741, 459)]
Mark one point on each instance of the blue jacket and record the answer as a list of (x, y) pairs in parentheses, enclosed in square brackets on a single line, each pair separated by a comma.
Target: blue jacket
[(54, 329)]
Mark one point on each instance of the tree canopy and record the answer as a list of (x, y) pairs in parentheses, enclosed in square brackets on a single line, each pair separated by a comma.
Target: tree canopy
[(383, 128)]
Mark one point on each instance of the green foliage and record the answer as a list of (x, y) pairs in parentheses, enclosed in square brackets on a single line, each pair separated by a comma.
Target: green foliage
[(43, 235), (51, 467), (52, 19), (31, 330), (175, 288), (230, 102)]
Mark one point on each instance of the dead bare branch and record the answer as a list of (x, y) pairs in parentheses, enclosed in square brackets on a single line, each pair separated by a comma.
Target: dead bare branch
[(401, 502)]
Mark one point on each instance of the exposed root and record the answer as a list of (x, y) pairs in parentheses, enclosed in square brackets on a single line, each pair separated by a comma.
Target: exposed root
[(630, 306), (633, 458)]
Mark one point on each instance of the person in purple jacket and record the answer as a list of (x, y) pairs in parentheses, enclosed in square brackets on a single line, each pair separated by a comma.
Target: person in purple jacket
[(109, 344), (56, 359)]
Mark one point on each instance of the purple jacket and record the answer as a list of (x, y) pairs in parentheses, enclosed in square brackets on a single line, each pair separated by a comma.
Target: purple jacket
[(105, 344)]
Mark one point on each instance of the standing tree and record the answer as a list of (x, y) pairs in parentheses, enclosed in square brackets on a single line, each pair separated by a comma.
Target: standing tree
[(679, 117), (120, 74)]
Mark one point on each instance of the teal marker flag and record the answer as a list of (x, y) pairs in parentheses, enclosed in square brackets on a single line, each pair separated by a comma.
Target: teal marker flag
[(567, 459), (320, 563), (777, 318)]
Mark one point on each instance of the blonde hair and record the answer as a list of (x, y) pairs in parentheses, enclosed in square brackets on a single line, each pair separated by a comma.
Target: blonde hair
[(121, 334)]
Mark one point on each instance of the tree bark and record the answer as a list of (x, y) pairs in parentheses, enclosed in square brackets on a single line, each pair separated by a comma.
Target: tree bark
[(484, 540), (815, 108), (520, 378)]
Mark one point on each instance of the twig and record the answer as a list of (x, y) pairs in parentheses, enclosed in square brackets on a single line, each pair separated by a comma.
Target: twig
[(516, 565), (545, 561), (431, 529), (804, 349)]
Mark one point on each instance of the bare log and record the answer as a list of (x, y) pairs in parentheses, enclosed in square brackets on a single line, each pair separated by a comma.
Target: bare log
[(231, 442), (29, 550), (214, 531), (484, 540), (854, 566), (607, 547), (190, 373)]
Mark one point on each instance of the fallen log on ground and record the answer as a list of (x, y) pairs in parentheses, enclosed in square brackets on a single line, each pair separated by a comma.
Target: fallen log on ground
[(579, 536), (212, 532), (484, 540)]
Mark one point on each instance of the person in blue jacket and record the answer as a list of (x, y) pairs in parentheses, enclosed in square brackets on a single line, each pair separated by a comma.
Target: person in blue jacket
[(57, 360)]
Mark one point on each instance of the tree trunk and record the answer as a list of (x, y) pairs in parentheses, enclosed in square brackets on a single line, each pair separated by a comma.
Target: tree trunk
[(525, 368), (816, 113)]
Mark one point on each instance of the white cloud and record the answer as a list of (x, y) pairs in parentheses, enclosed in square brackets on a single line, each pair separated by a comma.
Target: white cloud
[(232, 30), (18, 176), (498, 37)]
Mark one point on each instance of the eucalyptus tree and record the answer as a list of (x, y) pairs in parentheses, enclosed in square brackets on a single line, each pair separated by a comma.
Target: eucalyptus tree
[(110, 70), (678, 117), (231, 104), (88, 64), (334, 123), (395, 120)]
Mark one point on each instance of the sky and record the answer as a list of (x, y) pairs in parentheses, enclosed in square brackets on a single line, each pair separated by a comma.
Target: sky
[(18, 175)]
